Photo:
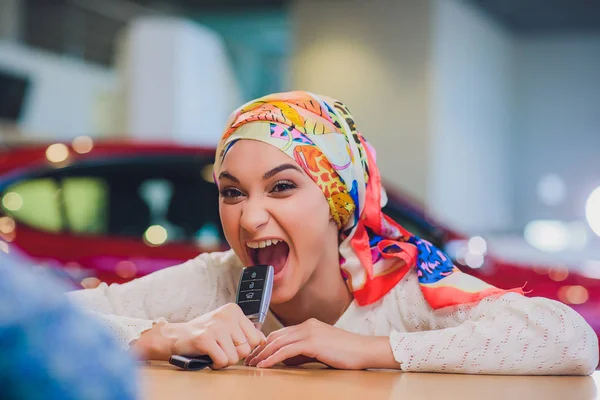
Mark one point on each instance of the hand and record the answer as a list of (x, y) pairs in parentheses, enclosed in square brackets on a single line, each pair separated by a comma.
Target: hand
[(314, 340), (225, 334)]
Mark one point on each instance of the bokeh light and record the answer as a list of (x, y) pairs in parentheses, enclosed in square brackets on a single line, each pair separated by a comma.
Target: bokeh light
[(477, 245), (126, 269), (540, 269), (83, 144), (90, 282), (207, 173), (592, 210), (474, 260), (461, 252), (73, 266), (57, 153), (12, 201), (7, 225), (155, 235), (208, 236), (558, 274), (573, 294), (548, 236)]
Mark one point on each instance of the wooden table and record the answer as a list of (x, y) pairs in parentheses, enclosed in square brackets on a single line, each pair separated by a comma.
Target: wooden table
[(162, 381)]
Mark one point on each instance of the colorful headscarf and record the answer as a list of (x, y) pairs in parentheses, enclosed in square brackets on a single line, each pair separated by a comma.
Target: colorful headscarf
[(375, 252)]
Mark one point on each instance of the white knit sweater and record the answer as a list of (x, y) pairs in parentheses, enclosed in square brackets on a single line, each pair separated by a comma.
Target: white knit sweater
[(512, 334)]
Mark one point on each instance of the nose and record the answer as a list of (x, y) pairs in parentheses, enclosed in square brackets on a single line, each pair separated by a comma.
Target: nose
[(254, 215)]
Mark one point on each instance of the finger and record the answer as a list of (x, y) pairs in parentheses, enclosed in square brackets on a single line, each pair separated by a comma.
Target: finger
[(225, 341), (243, 350), (273, 345), (272, 336), (254, 352), (285, 352), (281, 332), (240, 341), (253, 335), (216, 354)]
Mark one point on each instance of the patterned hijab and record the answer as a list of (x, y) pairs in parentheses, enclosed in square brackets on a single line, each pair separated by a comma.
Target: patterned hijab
[(319, 133)]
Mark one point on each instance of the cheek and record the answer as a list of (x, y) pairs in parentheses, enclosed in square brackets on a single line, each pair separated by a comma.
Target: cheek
[(307, 219), (319, 210), (230, 220)]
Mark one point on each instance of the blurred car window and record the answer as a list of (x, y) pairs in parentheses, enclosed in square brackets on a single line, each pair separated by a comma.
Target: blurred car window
[(34, 202), (85, 204), (121, 197)]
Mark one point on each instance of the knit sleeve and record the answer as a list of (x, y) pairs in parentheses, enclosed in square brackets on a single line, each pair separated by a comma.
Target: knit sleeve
[(176, 294), (510, 334)]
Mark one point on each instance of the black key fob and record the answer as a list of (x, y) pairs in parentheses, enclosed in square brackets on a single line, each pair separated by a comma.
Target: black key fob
[(190, 363), (254, 292), (253, 297)]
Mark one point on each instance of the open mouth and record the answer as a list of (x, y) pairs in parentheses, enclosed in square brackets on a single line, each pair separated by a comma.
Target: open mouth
[(269, 252)]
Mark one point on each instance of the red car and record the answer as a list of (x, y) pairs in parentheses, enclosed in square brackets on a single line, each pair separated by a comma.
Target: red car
[(116, 211)]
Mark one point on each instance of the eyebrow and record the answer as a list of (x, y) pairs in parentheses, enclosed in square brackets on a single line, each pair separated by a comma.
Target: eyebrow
[(279, 169), (267, 175), (227, 175)]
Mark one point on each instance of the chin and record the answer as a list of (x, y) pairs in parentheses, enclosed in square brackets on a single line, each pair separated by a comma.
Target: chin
[(282, 293)]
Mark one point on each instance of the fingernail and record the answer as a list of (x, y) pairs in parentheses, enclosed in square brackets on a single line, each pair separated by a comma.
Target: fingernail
[(261, 364)]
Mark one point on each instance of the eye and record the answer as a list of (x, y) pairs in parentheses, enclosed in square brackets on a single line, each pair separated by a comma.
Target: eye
[(231, 193), (283, 186)]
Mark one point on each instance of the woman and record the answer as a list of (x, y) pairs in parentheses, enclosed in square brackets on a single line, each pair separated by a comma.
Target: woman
[(300, 190)]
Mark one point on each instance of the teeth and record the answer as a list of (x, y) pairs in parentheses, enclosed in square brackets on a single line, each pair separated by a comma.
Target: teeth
[(262, 244)]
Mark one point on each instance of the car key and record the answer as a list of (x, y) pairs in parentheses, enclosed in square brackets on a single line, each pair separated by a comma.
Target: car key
[(253, 297)]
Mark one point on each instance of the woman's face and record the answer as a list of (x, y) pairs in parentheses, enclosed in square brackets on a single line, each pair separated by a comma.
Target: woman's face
[(273, 213)]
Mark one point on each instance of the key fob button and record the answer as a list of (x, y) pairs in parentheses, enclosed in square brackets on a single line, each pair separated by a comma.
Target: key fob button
[(252, 285), (254, 273)]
